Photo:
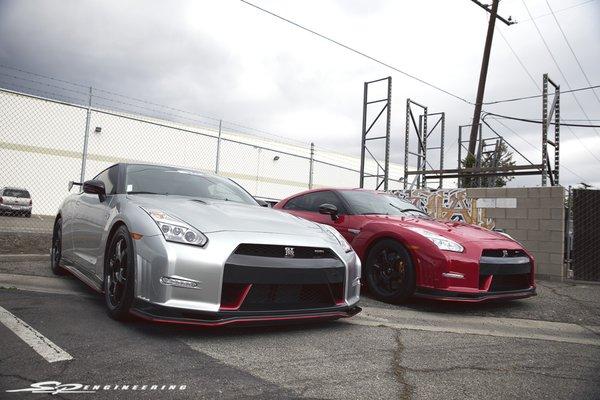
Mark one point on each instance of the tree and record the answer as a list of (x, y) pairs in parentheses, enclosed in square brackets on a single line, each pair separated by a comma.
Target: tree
[(503, 157)]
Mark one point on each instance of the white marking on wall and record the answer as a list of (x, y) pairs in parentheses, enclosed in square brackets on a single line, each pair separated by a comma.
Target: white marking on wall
[(38, 342), (497, 202)]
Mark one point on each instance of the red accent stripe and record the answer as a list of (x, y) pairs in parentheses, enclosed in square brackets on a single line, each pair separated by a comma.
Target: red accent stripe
[(234, 321), (238, 303)]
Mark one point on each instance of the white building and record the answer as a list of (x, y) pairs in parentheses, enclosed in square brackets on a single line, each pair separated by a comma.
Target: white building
[(42, 140)]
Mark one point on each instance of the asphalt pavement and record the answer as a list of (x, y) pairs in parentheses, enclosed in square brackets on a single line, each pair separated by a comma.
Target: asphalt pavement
[(543, 347)]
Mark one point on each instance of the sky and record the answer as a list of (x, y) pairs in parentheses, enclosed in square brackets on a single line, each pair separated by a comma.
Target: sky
[(228, 60)]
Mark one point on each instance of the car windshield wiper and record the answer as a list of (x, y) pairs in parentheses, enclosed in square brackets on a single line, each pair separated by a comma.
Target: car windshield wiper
[(147, 192), (404, 210), (374, 213)]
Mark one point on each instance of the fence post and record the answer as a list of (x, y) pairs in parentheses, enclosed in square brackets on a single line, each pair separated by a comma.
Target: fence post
[(86, 137), (311, 165), (218, 149)]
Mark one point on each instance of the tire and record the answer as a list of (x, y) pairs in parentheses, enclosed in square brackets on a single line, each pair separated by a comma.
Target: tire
[(56, 249), (119, 275), (390, 273)]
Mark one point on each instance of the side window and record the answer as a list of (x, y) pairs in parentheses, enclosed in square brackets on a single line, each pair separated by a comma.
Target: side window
[(109, 177), (312, 201), (297, 203)]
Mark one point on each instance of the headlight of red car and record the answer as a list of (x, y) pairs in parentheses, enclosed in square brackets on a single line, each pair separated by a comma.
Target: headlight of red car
[(441, 242), (337, 236)]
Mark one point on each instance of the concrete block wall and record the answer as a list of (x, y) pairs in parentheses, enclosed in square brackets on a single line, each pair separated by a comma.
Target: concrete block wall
[(537, 222)]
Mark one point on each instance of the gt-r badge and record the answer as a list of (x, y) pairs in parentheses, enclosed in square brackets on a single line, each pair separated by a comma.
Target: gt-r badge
[(289, 252), (504, 253)]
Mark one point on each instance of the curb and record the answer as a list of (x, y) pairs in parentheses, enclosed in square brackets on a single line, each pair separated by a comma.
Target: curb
[(24, 257)]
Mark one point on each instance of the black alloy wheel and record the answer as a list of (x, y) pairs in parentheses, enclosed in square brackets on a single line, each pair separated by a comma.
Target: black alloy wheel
[(56, 250), (119, 274), (389, 271)]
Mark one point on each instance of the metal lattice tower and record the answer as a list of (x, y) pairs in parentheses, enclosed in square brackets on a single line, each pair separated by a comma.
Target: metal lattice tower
[(547, 169), (387, 107)]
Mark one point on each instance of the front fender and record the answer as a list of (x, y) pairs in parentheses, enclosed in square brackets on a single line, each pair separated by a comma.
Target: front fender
[(427, 258), (134, 218)]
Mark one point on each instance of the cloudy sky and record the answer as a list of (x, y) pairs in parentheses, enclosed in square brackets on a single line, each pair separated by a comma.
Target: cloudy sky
[(226, 59)]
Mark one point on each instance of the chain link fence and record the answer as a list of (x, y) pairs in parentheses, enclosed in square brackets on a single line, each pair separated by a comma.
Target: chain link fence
[(585, 230), (44, 143)]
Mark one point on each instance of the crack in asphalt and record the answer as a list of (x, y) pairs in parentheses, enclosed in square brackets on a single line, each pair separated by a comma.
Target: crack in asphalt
[(408, 389), (554, 290), (580, 303), (488, 369), (21, 377)]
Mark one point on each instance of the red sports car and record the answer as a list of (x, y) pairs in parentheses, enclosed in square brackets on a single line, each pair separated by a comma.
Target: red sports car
[(405, 252)]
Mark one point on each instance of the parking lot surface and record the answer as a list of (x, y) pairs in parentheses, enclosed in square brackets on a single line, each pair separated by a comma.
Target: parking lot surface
[(544, 347)]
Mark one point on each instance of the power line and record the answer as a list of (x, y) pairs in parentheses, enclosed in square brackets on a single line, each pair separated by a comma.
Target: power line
[(571, 48), (96, 96), (535, 96), (567, 125), (537, 121), (538, 87), (44, 76), (558, 11), (520, 62), (535, 147), (533, 121), (556, 63), (551, 123), (431, 85)]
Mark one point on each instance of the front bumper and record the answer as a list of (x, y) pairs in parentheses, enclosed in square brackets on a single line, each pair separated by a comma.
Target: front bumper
[(15, 208), (232, 288), (485, 271), (154, 313), (471, 297)]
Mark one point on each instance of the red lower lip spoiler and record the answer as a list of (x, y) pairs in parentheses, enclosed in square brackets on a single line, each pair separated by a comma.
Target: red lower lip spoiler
[(249, 320)]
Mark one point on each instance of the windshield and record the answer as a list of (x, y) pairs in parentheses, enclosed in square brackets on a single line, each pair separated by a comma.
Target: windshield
[(24, 194), (366, 203), (151, 179)]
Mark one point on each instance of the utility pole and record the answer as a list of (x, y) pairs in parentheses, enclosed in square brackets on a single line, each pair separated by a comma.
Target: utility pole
[(484, 67)]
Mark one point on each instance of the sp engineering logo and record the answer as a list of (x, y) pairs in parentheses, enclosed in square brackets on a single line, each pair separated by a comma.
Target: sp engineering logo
[(289, 252), (55, 387)]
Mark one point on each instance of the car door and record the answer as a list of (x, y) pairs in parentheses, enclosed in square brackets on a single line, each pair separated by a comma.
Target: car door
[(91, 216), (307, 206), (67, 211)]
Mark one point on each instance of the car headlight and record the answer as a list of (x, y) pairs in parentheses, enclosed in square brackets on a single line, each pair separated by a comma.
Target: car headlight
[(441, 242), (338, 236), (174, 229)]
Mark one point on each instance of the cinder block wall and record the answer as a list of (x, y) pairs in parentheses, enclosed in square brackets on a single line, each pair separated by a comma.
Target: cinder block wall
[(537, 221)]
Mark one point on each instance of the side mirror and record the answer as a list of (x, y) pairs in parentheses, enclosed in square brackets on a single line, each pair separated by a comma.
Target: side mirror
[(329, 209), (262, 203), (95, 187), (73, 183)]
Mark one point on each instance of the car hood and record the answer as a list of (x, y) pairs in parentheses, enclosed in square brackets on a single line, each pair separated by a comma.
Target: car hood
[(209, 215), (458, 231)]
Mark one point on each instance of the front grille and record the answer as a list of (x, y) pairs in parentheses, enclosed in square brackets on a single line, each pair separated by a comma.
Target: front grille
[(275, 251), (287, 297), (508, 269), (503, 283), (501, 253), (260, 277)]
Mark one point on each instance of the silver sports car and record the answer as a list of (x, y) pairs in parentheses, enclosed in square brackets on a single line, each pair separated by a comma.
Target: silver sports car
[(173, 245)]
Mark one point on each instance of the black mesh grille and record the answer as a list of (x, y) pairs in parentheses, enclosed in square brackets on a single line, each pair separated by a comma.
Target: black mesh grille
[(275, 251), (500, 253), (288, 297), (502, 283)]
